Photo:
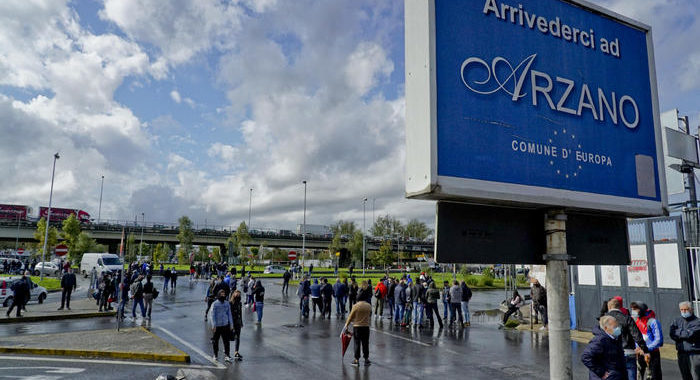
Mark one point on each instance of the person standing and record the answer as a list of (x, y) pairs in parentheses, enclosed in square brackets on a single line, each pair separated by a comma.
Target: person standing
[(456, 304), (539, 301), (259, 298), (221, 325), (327, 296), (629, 337), (166, 278), (445, 299), (311, 270), (380, 292), (390, 298), (68, 284), (316, 297), (352, 293), (685, 331), (209, 296), (20, 293), (339, 292), (285, 281), (419, 303), (604, 356), (237, 317), (466, 297), (137, 294), (173, 280), (304, 292), (107, 291), (360, 317), (650, 328), (93, 281), (400, 300), (148, 296), (432, 295)]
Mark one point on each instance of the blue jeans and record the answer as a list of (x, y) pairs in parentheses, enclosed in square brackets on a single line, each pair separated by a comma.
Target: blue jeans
[(138, 301), (400, 309), (340, 305), (259, 310), (465, 311), (446, 306), (391, 308), (631, 364), (418, 312), (165, 284)]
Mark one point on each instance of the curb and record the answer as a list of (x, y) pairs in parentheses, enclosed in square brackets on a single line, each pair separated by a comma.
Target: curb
[(57, 317), (184, 358)]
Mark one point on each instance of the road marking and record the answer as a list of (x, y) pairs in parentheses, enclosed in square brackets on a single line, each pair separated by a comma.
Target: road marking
[(193, 348), (100, 361), (401, 337)]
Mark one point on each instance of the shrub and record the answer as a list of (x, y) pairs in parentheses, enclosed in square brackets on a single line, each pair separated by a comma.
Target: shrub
[(521, 279), (487, 281), (471, 280), (487, 272)]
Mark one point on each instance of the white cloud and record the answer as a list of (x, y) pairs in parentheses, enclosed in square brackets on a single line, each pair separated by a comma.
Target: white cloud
[(175, 96), (365, 65)]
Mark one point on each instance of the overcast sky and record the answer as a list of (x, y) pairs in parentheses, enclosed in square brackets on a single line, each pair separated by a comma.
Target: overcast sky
[(184, 105)]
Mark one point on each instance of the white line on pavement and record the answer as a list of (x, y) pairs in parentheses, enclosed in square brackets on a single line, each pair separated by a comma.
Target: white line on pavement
[(401, 337), (193, 348), (100, 361)]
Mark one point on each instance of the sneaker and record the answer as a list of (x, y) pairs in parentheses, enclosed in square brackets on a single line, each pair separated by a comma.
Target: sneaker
[(60, 308), (367, 363), (467, 324), (238, 356), (543, 328), (227, 359), (355, 363), (215, 358)]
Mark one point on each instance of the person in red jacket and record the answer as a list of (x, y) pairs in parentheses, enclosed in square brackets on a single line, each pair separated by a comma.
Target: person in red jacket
[(380, 294)]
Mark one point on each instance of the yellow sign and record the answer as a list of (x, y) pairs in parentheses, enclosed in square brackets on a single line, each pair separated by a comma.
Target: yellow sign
[(337, 253)]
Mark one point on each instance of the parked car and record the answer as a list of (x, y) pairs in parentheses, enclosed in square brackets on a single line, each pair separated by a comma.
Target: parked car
[(36, 292), (47, 268), (274, 269)]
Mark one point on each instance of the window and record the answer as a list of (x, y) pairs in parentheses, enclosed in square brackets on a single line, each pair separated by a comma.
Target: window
[(110, 261)]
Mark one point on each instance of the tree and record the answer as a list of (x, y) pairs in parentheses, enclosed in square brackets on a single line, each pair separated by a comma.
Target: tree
[(70, 233), (242, 238), (203, 254), (185, 235), (387, 227), (215, 254), (84, 243), (343, 227), (336, 244), (40, 233), (385, 255), (159, 254), (131, 248), (144, 250), (417, 229), (355, 247)]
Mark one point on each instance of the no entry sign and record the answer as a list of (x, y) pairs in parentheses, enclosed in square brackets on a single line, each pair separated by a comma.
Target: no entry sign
[(61, 250), (20, 251), (292, 255)]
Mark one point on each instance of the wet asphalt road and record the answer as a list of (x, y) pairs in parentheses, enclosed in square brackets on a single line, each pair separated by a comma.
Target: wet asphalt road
[(285, 347)]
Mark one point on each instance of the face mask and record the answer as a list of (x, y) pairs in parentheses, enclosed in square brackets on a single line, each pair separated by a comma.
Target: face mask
[(686, 314), (222, 299), (634, 314), (617, 331)]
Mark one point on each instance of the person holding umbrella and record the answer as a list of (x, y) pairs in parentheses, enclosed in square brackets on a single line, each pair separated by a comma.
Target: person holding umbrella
[(360, 317)]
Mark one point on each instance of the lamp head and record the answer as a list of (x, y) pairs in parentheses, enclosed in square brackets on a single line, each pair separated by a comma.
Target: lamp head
[(56, 156)]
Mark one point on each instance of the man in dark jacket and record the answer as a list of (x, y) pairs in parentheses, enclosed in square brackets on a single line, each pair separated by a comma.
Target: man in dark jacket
[(539, 301), (285, 278), (629, 336), (20, 294), (68, 284), (604, 356), (222, 285), (685, 331), (327, 295), (340, 290), (390, 297), (466, 297)]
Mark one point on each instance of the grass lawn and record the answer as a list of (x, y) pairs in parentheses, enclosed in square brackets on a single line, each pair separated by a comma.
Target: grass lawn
[(50, 283)]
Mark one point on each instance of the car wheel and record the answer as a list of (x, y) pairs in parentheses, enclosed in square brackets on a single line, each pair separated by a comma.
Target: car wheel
[(7, 302), (36, 273), (42, 297)]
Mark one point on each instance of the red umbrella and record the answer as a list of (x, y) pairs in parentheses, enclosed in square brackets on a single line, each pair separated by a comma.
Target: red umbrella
[(345, 338)]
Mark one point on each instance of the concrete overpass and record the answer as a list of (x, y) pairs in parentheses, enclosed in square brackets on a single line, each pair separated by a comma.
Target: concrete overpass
[(111, 237)]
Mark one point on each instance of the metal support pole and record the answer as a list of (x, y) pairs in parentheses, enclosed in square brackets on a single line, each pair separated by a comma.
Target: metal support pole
[(143, 222), (303, 230), (558, 297), (48, 214), (99, 211), (364, 231), (17, 239), (250, 206)]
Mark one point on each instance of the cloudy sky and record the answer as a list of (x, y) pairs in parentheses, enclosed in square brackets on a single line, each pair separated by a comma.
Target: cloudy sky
[(184, 105)]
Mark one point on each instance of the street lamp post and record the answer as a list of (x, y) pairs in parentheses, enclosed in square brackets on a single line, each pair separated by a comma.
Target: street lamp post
[(143, 223), (250, 206), (303, 228), (364, 231), (99, 210), (17, 239), (48, 214)]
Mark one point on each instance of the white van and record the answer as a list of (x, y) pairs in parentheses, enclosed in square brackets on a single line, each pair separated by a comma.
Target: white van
[(102, 262)]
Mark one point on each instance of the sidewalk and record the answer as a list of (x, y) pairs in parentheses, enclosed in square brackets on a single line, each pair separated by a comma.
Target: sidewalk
[(81, 307), (135, 343)]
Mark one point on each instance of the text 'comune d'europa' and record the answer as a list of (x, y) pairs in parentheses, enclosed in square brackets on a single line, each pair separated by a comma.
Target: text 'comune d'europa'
[(553, 151)]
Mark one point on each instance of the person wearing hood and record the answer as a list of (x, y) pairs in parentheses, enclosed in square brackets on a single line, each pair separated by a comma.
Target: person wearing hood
[(221, 325), (259, 298), (603, 356), (650, 328), (685, 331)]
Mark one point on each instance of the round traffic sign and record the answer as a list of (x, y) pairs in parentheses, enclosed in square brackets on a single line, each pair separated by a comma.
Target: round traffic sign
[(292, 255), (20, 251), (61, 250)]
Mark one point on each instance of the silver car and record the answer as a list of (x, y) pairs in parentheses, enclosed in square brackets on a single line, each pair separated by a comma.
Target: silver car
[(47, 268), (36, 292)]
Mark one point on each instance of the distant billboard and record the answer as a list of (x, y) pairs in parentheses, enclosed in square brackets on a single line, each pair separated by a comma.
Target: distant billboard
[(534, 102)]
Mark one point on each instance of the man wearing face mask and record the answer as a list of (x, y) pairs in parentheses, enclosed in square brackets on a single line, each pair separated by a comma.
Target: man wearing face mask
[(685, 331), (650, 328), (630, 335), (604, 356), (221, 325)]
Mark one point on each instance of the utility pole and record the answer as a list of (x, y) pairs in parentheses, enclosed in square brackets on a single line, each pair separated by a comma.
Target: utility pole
[(303, 228), (99, 211), (48, 214), (17, 239), (364, 231), (250, 206), (143, 222), (558, 296)]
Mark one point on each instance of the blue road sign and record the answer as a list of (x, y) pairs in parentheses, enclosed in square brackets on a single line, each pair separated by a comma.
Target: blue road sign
[(537, 101)]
